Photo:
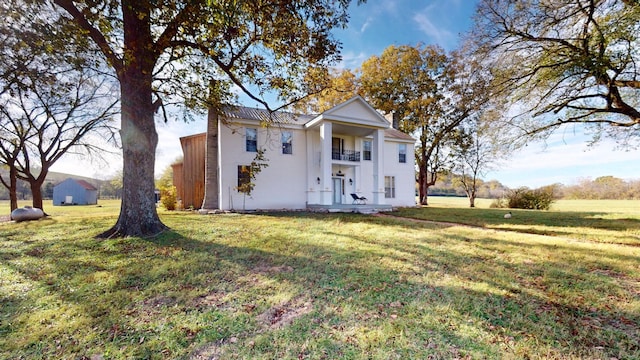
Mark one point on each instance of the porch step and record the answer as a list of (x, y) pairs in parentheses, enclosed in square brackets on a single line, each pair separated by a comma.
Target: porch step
[(347, 208)]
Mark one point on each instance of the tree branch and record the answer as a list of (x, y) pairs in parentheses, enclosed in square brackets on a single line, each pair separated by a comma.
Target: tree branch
[(94, 33)]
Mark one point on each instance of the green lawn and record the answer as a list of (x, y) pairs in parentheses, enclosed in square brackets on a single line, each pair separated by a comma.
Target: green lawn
[(325, 286), (606, 221)]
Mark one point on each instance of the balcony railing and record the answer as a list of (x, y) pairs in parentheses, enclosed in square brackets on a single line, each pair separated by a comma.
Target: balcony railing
[(345, 155)]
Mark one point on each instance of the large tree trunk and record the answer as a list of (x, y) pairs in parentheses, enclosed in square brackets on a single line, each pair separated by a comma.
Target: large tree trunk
[(427, 179), (138, 215), (36, 193), (425, 190), (211, 200), (423, 174), (421, 188), (12, 186), (472, 201)]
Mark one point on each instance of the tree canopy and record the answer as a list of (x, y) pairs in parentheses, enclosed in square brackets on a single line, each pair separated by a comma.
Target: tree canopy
[(430, 94), (168, 51), (52, 96), (410, 82), (564, 62)]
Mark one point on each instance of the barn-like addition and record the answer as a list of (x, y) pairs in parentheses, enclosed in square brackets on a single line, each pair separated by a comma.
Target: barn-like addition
[(75, 192)]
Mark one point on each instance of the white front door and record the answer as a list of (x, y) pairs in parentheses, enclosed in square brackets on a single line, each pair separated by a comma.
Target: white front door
[(338, 185)]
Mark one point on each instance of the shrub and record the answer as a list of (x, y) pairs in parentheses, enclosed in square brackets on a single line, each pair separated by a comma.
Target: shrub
[(498, 203), (168, 197), (524, 198)]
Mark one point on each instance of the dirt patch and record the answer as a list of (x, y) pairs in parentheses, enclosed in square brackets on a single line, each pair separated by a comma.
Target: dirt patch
[(210, 351), (285, 313), (212, 299), (5, 218)]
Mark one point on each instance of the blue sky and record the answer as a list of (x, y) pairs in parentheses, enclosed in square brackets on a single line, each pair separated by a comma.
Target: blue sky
[(564, 158)]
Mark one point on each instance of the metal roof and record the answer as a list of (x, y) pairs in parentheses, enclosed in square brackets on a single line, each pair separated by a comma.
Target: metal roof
[(278, 117), (283, 117)]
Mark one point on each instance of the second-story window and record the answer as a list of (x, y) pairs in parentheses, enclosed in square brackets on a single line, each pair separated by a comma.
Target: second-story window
[(366, 150), (251, 140), (402, 153), (287, 142)]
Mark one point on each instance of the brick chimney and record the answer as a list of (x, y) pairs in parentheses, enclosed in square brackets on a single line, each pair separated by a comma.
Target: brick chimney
[(394, 119)]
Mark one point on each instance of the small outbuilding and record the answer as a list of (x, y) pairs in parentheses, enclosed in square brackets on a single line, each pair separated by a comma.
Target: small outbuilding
[(75, 192)]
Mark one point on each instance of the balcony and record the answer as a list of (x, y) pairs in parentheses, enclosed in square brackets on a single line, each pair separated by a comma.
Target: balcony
[(345, 155)]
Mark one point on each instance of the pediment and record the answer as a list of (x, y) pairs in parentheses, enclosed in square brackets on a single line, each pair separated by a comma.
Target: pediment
[(355, 111)]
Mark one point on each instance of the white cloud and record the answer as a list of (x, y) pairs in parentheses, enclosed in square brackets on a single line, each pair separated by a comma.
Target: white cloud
[(366, 24), (438, 34), (351, 60), (564, 160)]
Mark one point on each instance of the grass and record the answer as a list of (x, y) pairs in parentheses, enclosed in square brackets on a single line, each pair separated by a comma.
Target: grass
[(314, 286), (605, 221)]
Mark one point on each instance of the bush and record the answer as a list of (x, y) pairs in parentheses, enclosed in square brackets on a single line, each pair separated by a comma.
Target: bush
[(168, 197), (524, 198), (498, 203)]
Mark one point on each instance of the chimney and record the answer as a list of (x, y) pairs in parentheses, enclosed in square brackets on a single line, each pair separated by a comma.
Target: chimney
[(394, 119)]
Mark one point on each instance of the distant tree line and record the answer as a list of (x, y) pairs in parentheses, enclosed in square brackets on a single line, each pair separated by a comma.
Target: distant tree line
[(604, 187), (601, 188), (450, 185)]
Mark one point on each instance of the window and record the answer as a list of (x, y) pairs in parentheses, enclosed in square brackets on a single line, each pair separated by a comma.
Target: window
[(402, 153), (287, 139), (366, 150), (337, 144), (389, 187), (337, 147), (251, 140), (244, 175)]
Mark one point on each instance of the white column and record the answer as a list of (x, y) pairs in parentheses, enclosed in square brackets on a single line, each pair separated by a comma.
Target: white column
[(378, 166), (326, 185), (312, 169)]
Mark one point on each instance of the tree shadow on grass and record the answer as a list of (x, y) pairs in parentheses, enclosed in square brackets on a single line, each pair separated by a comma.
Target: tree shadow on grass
[(150, 281), (552, 286), (585, 226), (491, 217), (179, 294)]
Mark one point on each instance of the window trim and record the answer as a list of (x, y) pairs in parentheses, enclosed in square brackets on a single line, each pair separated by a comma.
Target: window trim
[(364, 151), (402, 159), (287, 145), (246, 175), (390, 191), (248, 140)]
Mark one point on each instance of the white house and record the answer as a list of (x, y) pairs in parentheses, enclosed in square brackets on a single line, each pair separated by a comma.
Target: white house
[(313, 161)]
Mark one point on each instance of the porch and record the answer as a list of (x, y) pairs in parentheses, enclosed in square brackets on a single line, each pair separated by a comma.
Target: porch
[(350, 208)]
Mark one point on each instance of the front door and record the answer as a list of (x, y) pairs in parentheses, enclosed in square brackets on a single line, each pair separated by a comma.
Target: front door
[(338, 186)]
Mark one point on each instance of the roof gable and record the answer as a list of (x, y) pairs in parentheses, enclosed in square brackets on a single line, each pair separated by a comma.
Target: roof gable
[(355, 111), (76, 182), (86, 185)]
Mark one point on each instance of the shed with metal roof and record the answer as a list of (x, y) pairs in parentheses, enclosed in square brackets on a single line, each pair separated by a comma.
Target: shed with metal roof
[(75, 192)]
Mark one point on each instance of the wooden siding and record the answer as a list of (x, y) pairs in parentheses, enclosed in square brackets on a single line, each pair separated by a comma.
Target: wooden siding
[(193, 148)]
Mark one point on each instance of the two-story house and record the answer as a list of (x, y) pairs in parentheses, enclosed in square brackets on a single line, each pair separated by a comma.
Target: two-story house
[(314, 162)]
